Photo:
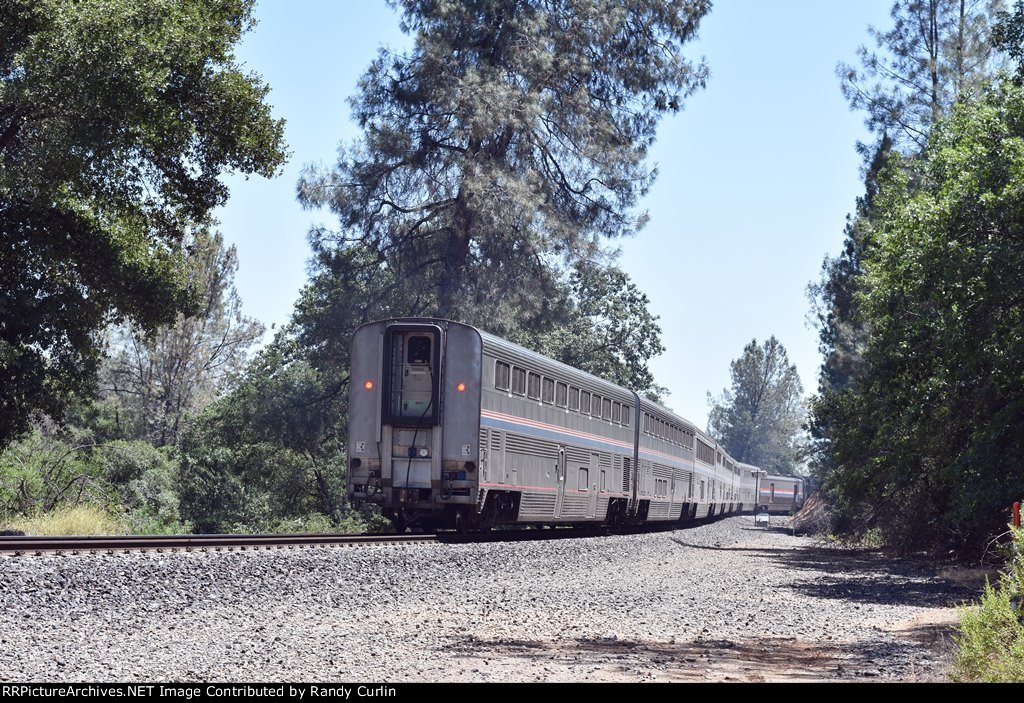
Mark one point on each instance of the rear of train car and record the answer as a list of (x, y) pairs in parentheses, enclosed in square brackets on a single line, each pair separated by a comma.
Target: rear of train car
[(780, 494)]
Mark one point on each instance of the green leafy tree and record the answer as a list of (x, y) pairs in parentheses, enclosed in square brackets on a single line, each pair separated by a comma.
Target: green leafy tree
[(936, 54), (758, 419), (606, 329), (1008, 37), (117, 118), (511, 138), (271, 449), (927, 442)]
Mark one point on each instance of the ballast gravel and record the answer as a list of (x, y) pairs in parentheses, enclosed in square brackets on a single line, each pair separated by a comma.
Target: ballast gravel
[(724, 601)]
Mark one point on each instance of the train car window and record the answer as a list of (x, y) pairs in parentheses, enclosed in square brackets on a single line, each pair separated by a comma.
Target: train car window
[(561, 394), (606, 409), (502, 375), (418, 350), (549, 390), (705, 453), (626, 410), (533, 386), (647, 423), (584, 479), (585, 402), (518, 380), (574, 398), (595, 406), (616, 412), (411, 384)]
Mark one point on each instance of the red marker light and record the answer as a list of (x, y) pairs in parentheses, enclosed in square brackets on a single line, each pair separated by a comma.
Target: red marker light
[(461, 388), (368, 385)]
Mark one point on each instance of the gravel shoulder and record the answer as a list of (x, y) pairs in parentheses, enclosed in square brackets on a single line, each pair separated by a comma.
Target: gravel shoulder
[(725, 601)]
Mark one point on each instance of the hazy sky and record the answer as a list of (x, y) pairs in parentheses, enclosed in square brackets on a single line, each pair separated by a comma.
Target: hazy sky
[(756, 175)]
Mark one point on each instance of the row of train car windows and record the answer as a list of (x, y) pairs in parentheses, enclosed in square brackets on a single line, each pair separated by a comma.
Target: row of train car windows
[(656, 427), (519, 381), (705, 453)]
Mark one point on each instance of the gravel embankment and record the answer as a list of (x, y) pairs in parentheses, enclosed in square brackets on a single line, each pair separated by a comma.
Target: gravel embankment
[(722, 601)]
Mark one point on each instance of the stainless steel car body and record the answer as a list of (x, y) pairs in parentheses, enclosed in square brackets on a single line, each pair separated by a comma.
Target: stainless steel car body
[(451, 426)]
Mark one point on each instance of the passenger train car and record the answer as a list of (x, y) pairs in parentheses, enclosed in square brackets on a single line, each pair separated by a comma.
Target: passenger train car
[(780, 494), (453, 427)]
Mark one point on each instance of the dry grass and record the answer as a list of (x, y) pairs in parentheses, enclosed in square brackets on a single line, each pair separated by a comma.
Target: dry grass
[(77, 520)]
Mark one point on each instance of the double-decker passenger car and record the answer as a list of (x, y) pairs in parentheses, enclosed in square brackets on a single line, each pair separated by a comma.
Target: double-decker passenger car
[(453, 427)]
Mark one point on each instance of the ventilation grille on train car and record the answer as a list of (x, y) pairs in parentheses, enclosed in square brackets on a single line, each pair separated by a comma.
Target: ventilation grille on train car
[(496, 440), (662, 471), (535, 505), (577, 456), (658, 510), (518, 444), (627, 464), (575, 505)]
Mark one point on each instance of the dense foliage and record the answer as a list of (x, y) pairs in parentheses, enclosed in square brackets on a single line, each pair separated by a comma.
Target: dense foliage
[(116, 119), (931, 444), (917, 415)]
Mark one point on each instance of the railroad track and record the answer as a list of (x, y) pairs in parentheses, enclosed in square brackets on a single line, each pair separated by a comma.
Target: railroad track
[(119, 544), (20, 545)]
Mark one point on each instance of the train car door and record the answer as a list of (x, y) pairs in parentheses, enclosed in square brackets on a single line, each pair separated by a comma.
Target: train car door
[(560, 481), (592, 477)]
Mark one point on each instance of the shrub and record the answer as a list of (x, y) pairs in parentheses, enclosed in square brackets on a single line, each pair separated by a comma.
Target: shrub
[(991, 640)]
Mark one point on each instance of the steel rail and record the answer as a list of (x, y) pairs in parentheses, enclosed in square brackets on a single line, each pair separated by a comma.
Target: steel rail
[(18, 545)]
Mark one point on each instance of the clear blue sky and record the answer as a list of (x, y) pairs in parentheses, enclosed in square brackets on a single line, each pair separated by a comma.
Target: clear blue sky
[(756, 175)]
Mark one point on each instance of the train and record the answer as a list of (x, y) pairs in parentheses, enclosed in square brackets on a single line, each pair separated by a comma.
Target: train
[(454, 428)]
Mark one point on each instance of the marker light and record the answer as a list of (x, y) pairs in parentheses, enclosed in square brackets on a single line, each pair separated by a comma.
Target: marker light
[(368, 385), (461, 388)]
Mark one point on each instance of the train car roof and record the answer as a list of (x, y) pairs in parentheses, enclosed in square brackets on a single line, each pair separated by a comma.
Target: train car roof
[(494, 342)]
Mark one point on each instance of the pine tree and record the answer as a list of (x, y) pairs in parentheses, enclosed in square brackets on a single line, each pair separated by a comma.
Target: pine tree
[(758, 419), (509, 141), (937, 53)]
